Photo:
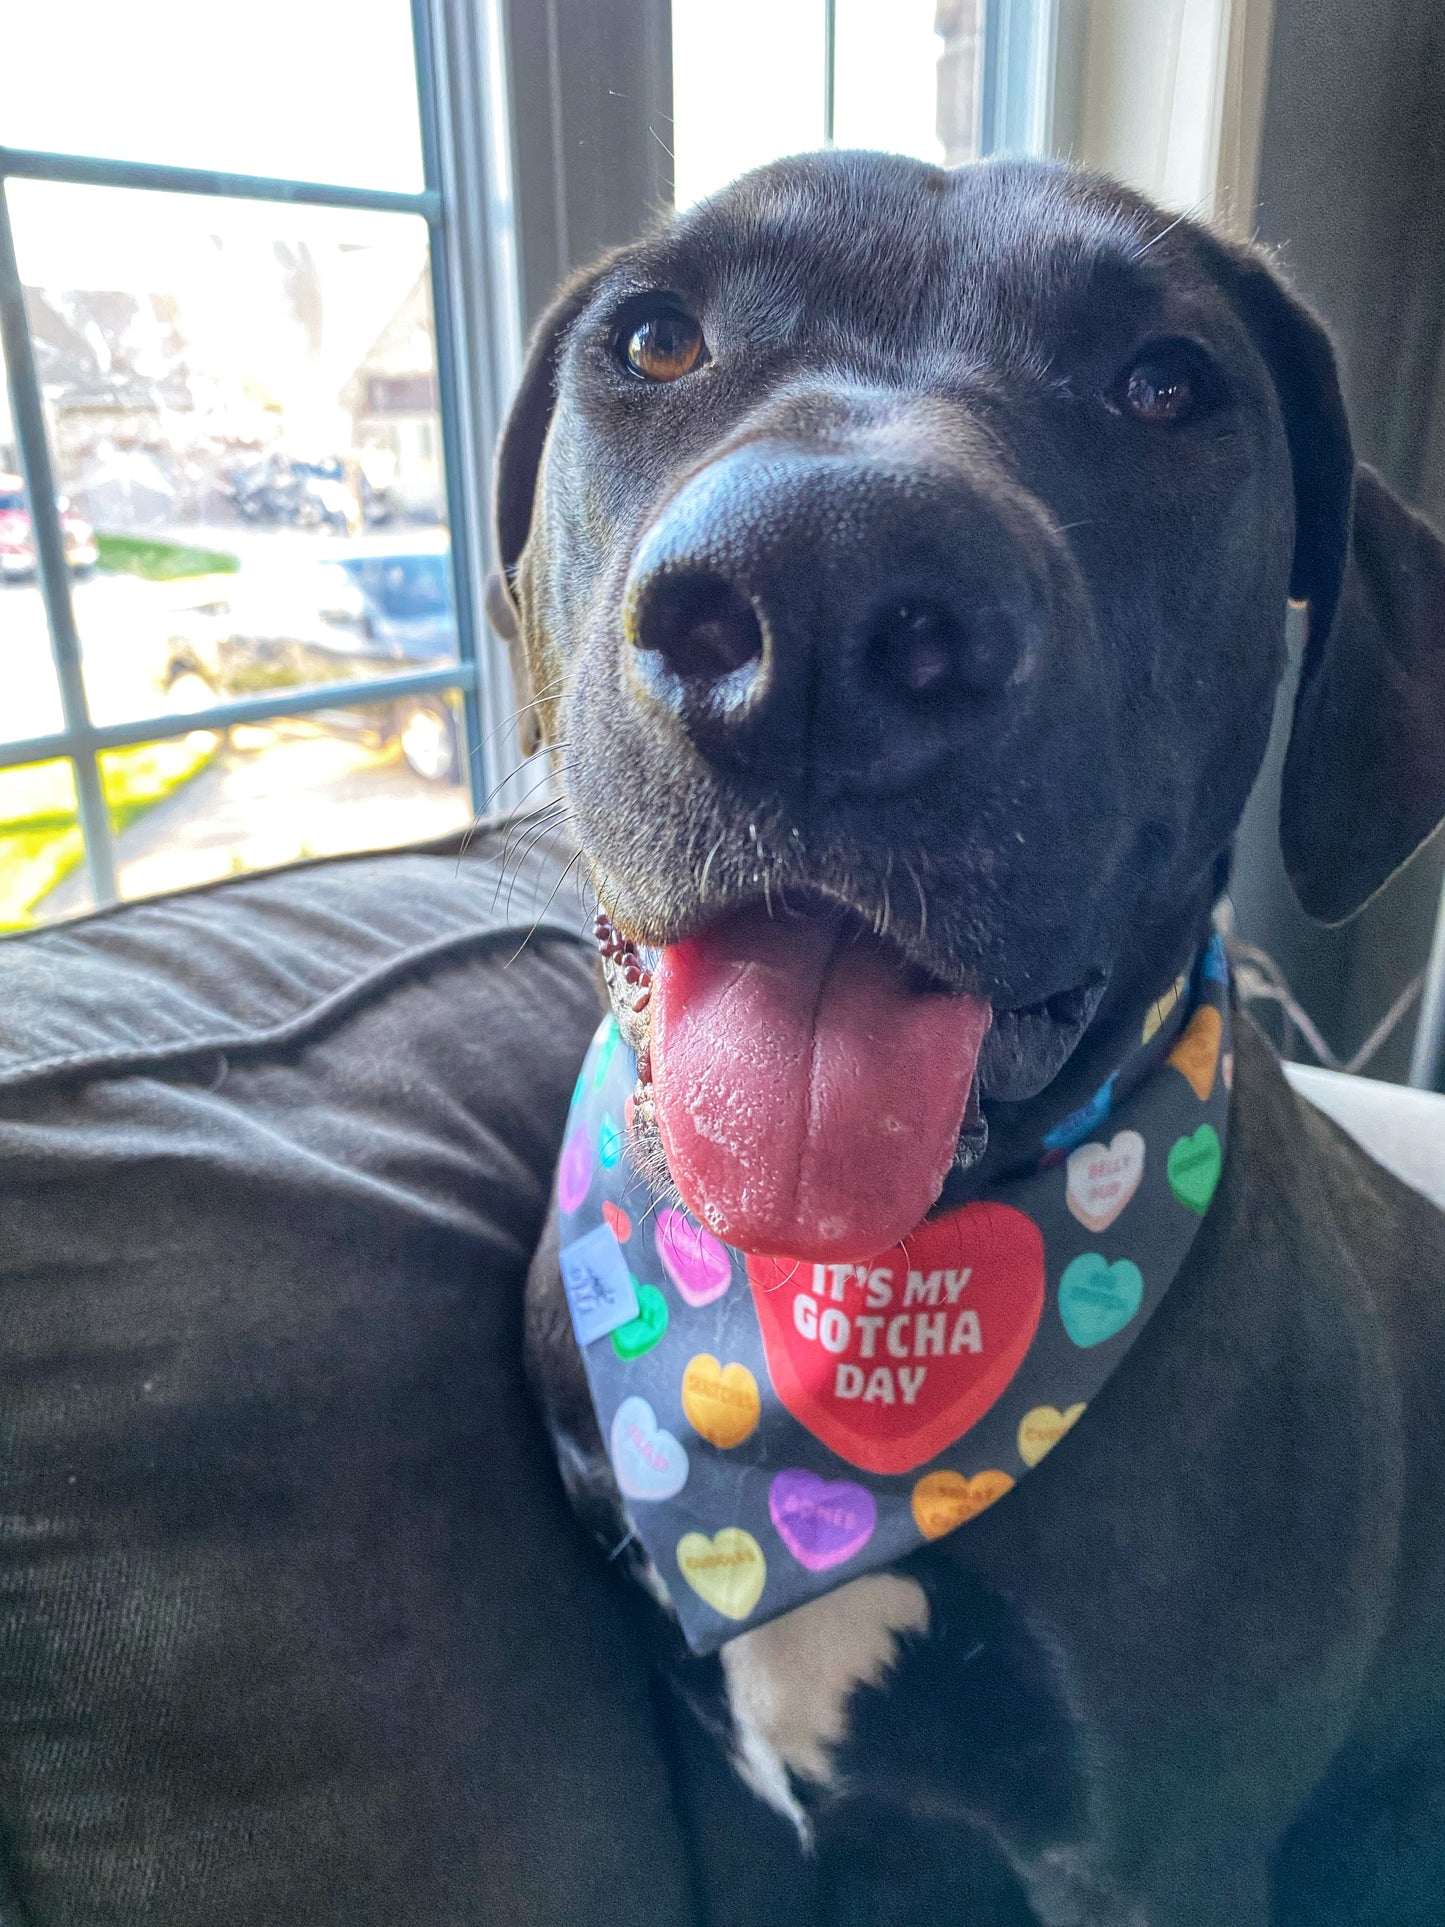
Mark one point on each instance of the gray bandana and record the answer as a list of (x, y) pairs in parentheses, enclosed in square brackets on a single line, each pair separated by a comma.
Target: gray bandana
[(778, 1427)]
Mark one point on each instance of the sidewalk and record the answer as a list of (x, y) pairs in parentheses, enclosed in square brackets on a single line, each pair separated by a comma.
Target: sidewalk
[(275, 794)]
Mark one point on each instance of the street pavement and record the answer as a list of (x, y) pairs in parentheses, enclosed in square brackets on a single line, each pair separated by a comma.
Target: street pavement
[(273, 795)]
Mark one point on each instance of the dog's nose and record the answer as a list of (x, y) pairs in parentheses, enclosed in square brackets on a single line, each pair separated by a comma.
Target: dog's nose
[(791, 609), (924, 646), (702, 629)]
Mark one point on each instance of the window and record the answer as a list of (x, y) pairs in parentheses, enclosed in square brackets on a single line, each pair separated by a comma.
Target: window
[(241, 465), (790, 75), (1165, 94)]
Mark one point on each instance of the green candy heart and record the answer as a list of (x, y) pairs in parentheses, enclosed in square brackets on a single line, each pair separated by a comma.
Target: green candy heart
[(1097, 1299), (641, 1333), (1194, 1167)]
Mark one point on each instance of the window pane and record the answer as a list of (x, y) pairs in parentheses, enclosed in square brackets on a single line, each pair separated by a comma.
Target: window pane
[(905, 80), (744, 95), (42, 855), (960, 78), (209, 805), (319, 90), (29, 693), (242, 408), (888, 87)]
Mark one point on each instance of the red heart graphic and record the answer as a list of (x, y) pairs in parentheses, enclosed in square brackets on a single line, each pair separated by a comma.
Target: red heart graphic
[(890, 1361)]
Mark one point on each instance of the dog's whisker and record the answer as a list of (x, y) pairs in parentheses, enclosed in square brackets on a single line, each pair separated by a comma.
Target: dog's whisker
[(1195, 207), (922, 902), (536, 831), (706, 868), (572, 862), (517, 835)]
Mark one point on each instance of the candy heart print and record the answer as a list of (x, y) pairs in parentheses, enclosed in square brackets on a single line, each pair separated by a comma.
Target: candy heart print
[(1197, 1052), (1041, 1429), (1097, 1299), (721, 1402), (1103, 1178), (638, 1336), (943, 1501), (728, 1570), (1195, 1163), (821, 1522), (693, 1258), (649, 1463), (889, 1361)]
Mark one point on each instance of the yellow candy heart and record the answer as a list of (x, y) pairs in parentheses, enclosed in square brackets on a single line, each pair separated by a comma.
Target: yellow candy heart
[(943, 1500), (1197, 1052), (728, 1570), (1160, 1008), (1041, 1429), (721, 1401)]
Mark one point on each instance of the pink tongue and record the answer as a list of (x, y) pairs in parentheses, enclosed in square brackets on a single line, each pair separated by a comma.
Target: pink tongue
[(809, 1101)]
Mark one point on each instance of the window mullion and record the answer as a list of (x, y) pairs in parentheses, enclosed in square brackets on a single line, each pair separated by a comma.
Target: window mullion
[(54, 571), (475, 310)]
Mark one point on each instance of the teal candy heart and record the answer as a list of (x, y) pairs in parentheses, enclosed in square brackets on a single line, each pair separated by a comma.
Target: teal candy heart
[(604, 1055), (641, 1333), (1097, 1299), (1194, 1166), (609, 1142)]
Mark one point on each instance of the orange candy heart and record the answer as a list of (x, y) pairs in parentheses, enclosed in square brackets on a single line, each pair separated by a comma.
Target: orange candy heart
[(1197, 1052), (943, 1500)]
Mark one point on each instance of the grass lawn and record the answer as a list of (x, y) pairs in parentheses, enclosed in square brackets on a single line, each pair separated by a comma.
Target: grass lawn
[(40, 839), (159, 561)]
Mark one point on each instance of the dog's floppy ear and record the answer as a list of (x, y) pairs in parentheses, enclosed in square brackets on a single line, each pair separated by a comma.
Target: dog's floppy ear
[(1364, 776), (514, 483)]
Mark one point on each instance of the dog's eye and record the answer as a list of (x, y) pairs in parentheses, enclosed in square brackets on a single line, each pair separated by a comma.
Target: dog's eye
[(664, 345), (1160, 389)]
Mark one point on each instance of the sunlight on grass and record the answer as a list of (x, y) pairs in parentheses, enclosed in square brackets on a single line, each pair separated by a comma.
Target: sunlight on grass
[(160, 561), (40, 840)]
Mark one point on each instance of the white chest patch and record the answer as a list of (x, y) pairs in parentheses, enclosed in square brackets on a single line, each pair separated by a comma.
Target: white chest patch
[(789, 1682)]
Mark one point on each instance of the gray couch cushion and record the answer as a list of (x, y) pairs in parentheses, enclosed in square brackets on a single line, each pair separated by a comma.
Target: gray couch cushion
[(296, 1627)]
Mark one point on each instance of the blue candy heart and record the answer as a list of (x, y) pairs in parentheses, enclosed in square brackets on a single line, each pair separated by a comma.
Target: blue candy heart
[(1097, 1299)]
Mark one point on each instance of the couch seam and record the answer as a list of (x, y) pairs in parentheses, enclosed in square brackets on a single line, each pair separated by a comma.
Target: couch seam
[(349, 996)]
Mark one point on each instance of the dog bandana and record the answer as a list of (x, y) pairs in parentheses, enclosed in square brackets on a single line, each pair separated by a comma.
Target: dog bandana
[(778, 1427)]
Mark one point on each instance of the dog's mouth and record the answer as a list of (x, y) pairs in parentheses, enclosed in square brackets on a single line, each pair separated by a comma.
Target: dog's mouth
[(809, 1086)]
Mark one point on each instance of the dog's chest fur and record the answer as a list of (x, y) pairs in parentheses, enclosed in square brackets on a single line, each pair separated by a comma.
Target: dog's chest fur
[(789, 1683)]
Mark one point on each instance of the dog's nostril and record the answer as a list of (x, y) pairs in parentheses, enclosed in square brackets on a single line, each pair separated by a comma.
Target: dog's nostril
[(914, 645), (920, 647), (703, 629)]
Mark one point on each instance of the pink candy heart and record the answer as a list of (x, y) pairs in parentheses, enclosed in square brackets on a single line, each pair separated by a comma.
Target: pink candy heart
[(696, 1263)]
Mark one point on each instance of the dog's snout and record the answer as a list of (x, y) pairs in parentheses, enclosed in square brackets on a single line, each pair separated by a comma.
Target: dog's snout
[(837, 615)]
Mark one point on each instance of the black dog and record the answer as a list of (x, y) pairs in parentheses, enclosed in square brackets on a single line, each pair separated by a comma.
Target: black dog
[(912, 548)]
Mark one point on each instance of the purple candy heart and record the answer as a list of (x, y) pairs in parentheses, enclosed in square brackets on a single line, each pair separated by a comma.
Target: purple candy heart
[(575, 1171), (821, 1523)]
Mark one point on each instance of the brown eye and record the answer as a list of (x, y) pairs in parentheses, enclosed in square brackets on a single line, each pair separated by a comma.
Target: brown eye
[(1158, 392), (664, 346)]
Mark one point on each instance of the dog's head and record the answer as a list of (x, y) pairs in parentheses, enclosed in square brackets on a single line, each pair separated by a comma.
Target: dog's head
[(900, 562)]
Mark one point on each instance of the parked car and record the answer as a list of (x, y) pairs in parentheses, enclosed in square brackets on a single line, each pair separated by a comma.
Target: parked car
[(17, 538), (282, 488), (368, 609)]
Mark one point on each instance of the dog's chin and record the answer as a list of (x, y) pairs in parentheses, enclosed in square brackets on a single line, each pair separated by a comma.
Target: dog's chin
[(1025, 1049)]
